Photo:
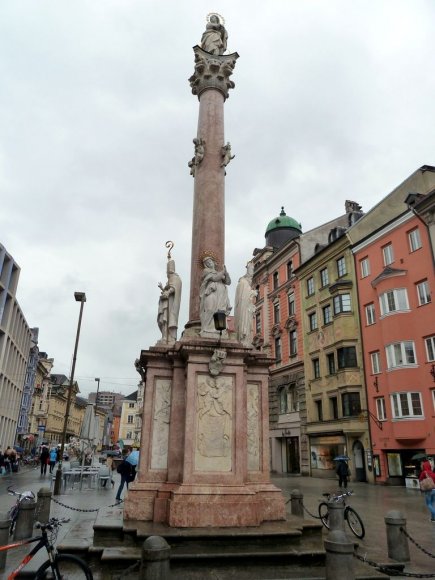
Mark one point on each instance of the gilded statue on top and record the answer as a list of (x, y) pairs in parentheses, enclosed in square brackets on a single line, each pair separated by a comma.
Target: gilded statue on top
[(214, 39)]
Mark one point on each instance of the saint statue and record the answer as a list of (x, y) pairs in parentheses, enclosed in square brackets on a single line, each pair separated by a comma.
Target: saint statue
[(244, 310), (214, 39), (213, 294), (169, 305)]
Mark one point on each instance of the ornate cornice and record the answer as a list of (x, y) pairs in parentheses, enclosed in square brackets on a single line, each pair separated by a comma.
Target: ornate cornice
[(212, 71)]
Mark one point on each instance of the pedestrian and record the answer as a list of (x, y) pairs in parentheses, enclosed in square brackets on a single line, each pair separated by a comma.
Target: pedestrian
[(128, 473), (429, 495), (343, 472), (111, 466), (2, 462), (8, 466), (53, 458), (43, 458)]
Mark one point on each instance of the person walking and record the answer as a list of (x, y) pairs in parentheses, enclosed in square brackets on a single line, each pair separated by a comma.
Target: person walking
[(342, 470), (53, 458), (429, 495), (128, 472), (43, 458)]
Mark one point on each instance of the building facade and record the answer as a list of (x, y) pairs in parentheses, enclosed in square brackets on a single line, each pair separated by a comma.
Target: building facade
[(128, 424), (25, 438), (395, 271), (15, 341)]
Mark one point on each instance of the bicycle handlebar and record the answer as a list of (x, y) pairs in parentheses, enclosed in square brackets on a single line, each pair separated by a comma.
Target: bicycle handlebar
[(52, 523), (335, 497), (25, 494)]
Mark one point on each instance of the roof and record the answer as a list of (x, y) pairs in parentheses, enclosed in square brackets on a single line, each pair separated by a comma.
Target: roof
[(131, 397), (283, 221)]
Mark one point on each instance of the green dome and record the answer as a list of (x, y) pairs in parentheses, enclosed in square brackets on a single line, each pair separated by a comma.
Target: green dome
[(283, 221)]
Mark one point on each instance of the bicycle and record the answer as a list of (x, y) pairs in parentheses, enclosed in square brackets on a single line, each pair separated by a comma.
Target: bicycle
[(58, 566), (350, 515), (13, 512)]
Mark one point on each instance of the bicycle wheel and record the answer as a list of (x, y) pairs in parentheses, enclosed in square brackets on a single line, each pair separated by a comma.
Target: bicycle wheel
[(354, 522), (324, 514), (65, 567)]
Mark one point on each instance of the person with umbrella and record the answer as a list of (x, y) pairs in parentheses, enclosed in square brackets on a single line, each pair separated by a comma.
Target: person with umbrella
[(127, 470), (43, 458), (342, 470)]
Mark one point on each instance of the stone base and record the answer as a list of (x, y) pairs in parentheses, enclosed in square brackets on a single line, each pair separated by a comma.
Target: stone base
[(192, 506)]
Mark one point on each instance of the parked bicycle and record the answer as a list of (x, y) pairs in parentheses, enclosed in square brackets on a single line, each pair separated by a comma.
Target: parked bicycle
[(58, 566), (13, 512), (350, 515)]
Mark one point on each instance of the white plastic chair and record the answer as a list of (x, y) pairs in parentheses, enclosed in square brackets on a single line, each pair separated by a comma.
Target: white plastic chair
[(103, 475)]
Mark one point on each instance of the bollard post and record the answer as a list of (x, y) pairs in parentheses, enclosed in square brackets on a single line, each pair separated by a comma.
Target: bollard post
[(336, 515), (296, 502), (25, 520), (5, 523), (398, 548), (340, 563), (44, 504), (155, 559)]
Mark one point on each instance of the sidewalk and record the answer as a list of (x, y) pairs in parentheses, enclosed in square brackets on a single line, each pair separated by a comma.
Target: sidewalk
[(371, 502)]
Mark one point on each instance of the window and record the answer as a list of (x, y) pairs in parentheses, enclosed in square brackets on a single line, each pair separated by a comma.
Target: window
[(258, 323), (341, 267), (324, 278), (365, 267), (394, 301), (288, 399), (327, 314), (331, 363), (406, 405), (346, 357), (283, 401), (310, 286), (291, 304), (293, 341), (414, 239), (257, 296), (275, 280), (278, 349), (312, 318), (370, 314), (400, 354), (430, 348), (333, 403), (342, 303), (375, 357), (351, 404), (128, 435), (319, 410), (380, 409), (276, 313), (131, 405), (387, 252), (423, 292), (289, 269), (316, 368), (130, 418)]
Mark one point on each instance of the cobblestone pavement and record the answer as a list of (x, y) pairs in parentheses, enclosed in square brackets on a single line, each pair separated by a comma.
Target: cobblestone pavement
[(370, 501)]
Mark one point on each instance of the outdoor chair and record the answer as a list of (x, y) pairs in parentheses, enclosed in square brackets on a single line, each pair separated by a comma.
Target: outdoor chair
[(104, 475), (74, 464)]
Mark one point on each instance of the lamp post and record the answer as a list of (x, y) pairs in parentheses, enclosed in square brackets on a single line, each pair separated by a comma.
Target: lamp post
[(79, 297), (220, 322), (96, 398)]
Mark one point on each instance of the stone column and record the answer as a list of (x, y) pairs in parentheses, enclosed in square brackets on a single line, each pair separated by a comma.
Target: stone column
[(211, 83)]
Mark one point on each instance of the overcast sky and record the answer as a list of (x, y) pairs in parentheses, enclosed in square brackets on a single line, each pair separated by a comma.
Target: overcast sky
[(333, 101)]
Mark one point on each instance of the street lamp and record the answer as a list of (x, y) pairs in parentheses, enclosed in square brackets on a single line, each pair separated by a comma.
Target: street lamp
[(96, 398), (79, 297)]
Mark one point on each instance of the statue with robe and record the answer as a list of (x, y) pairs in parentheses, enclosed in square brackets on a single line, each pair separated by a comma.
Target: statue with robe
[(213, 294), (214, 39), (244, 310), (169, 304)]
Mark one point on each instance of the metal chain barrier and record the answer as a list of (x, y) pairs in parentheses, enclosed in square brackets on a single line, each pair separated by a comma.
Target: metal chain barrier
[(75, 509), (305, 509), (419, 546), (391, 571), (126, 573)]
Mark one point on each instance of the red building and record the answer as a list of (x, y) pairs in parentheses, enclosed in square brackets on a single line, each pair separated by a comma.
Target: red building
[(395, 273)]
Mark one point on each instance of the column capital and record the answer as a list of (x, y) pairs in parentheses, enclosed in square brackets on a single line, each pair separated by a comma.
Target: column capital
[(212, 71)]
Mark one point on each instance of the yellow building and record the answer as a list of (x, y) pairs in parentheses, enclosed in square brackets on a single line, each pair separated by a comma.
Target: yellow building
[(334, 374), (39, 411), (128, 432)]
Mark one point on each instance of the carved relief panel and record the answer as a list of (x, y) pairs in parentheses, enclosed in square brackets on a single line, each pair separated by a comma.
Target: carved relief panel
[(253, 428), (214, 423), (160, 427)]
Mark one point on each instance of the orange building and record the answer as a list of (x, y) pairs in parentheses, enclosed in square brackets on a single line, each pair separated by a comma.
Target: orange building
[(395, 277)]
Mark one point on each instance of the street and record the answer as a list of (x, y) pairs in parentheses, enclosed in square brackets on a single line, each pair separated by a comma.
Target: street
[(370, 501)]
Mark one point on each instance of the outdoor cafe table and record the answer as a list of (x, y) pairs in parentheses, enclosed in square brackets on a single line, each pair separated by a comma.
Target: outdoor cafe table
[(90, 473)]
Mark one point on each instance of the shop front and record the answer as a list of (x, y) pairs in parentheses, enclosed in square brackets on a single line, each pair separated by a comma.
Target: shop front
[(323, 450), (398, 467)]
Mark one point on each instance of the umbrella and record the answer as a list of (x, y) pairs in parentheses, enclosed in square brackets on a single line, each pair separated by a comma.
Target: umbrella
[(133, 458), (418, 456), (341, 458)]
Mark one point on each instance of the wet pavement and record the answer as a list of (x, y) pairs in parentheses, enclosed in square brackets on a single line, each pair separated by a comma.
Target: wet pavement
[(370, 501)]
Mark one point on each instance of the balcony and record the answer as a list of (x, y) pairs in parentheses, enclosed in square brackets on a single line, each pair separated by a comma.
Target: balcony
[(410, 429)]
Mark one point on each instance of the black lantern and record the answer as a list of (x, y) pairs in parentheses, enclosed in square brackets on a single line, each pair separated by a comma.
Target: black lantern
[(220, 320)]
